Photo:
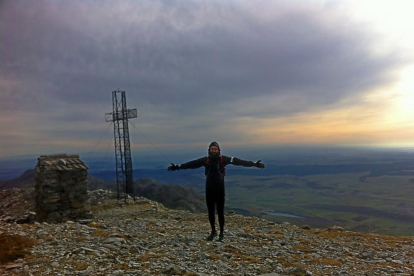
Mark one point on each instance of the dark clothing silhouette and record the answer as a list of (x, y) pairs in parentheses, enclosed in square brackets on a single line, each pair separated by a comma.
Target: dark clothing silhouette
[(215, 189), (215, 170)]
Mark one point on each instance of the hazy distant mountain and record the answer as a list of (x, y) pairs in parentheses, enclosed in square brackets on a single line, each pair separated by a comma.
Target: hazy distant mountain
[(171, 196), (26, 180), (95, 183)]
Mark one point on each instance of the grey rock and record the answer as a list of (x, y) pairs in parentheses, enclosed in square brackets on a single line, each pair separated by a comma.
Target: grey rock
[(367, 254), (202, 256), (84, 273), (111, 247), (114, 240), (174, 270), (336, 227), (13, 266), (298, 271)]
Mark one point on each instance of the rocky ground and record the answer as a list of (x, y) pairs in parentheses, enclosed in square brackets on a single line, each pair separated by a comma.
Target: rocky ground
[(145, 238), (17, 205)]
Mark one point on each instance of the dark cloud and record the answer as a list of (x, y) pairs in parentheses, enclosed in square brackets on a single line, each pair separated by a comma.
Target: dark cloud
[(198, 62)]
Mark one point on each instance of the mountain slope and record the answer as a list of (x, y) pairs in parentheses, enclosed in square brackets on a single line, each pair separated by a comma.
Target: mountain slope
[(26, 180), (145, 238), (172, 196)]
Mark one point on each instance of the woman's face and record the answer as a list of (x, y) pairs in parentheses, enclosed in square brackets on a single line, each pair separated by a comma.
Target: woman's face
[(214, 150)]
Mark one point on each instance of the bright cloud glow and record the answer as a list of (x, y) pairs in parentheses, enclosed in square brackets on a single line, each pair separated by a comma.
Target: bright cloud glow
[(403, 104)]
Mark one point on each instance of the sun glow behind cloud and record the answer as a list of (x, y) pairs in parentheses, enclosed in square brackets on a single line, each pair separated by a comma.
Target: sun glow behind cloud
[(404, 103), (384, 116), (395, 22), (399, 120)]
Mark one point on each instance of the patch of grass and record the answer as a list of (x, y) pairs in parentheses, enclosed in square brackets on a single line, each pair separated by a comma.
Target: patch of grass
[(79, 266), (325, 261), (79, 238), (94, 225), (214, 257), (390, 241), (190, 273), (202, 243), (101, 233), (151, 223), (287, 262), (149, 256), (251, 260), (303, 240), (245, 258), (253, 233), (123, 266), (302, 248), (104, 206), (13, 247), (253, 243), (76, 265), (275, 231)]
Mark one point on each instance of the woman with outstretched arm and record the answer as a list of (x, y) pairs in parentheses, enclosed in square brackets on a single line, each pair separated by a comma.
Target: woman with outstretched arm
[(215, 166)]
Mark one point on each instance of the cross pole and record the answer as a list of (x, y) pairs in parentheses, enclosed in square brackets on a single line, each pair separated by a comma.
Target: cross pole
[(123, 161)]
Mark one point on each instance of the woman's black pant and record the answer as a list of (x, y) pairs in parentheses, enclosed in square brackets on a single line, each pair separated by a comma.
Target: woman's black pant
[(215, 197)]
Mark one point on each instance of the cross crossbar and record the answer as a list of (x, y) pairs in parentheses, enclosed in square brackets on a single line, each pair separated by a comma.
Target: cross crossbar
[(118, 116)]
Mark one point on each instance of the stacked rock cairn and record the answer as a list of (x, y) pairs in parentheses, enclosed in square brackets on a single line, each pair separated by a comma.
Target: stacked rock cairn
[(61, 189)]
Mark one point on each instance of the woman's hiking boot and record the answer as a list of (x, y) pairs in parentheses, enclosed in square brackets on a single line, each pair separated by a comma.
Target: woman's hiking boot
[(212, 236), (221, 238)]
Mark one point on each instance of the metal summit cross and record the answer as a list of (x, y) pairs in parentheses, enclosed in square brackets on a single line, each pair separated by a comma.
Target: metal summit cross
[(120, 116)]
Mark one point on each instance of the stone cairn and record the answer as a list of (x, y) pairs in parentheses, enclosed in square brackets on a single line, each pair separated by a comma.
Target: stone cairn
[(61, 189)]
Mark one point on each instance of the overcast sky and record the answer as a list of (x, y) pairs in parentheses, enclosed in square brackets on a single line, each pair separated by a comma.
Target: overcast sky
[(240, 72)]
